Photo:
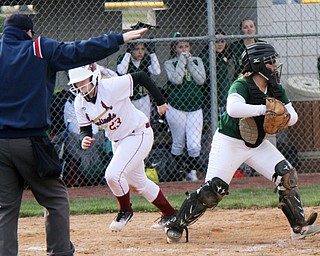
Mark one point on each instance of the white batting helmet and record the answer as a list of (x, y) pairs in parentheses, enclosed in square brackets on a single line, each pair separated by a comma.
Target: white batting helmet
[(79, 74)]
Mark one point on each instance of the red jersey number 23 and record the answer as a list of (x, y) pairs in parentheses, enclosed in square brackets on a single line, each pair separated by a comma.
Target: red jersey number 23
[(115, 124)]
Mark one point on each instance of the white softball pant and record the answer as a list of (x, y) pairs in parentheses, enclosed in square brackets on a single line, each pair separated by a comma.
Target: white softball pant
[(186, 128), (228, 153), (126, 168)]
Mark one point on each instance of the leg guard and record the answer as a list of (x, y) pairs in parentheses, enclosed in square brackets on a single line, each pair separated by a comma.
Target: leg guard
[(194, 206), (289, 196)]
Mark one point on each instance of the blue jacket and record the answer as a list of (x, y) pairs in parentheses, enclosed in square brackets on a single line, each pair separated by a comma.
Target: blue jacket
[(28, 74)]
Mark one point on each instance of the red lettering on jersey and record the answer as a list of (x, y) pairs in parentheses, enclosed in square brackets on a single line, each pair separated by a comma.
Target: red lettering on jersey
[(105, 106), (102, 121)]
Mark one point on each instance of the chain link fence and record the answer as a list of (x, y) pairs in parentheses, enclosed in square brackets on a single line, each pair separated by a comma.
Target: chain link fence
[(216, 32)]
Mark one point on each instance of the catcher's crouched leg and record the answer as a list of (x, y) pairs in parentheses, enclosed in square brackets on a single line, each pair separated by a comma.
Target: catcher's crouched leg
[(289, 197), (194, 206)]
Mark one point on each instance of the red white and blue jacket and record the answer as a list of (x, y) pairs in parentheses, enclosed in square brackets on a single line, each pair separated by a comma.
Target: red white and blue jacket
[(28, 74)]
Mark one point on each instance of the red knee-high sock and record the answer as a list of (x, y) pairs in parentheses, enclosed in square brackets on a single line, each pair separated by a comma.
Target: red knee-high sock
[(124, 202), (163, 204)]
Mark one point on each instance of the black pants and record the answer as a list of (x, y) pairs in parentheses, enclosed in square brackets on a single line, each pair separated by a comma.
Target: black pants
[(18, 164)]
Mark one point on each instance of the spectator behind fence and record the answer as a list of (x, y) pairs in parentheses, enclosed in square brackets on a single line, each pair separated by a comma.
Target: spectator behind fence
[(247, 27), (28, 70), (106, 103), (135, 59), (224, 72), (79, 166), (186, 75)]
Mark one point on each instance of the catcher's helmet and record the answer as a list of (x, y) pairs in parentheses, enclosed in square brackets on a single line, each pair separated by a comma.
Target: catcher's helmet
[(79, 74), (255, 58)]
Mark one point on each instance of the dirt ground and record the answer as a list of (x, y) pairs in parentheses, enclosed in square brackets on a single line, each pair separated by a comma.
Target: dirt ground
[(260, 232)]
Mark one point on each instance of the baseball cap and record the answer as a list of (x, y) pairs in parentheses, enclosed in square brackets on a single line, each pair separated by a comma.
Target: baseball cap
[(176, 34), (143, 25), (19, 20)]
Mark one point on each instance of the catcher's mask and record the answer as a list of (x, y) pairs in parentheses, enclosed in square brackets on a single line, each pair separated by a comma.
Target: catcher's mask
[(255, 58), (77, 75)]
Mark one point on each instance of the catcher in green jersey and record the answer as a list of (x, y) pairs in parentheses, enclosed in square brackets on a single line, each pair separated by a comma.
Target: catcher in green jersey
[(240, 138)]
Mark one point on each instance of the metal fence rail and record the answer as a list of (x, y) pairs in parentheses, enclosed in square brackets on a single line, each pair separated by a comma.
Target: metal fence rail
[(291, 26)]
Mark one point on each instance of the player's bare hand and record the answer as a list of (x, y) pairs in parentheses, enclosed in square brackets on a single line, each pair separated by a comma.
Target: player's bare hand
[(86, 142), (133, 34), (163, 109)]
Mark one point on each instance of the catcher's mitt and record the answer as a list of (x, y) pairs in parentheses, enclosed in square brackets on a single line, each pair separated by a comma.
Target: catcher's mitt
[(276, 117)]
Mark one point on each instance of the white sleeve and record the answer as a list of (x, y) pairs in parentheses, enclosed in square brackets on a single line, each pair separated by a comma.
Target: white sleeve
[(119, 87), (238, 108), (106, 71), (293, 114), (154, 68), (68, 112), (176, 73), (197, 71), (70, 117), (81, 118), (122, 67)]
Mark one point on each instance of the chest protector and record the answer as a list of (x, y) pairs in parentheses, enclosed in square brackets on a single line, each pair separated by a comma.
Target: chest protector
[(257, 97)]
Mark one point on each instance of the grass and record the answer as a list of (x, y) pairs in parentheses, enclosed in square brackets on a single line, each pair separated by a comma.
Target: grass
[(237, 199)]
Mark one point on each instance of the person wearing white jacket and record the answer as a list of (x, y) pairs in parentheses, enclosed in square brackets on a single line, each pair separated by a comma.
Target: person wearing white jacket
[(136, 59)]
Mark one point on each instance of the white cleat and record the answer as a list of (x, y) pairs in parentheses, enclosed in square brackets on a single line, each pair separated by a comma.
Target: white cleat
[(160, 225), (306, 231), (121, 220), (192, 176)]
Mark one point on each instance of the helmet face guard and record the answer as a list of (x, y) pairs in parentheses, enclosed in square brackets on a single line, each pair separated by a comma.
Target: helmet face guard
[(77, 75), (255, 59), (277, 71), (86, 93)]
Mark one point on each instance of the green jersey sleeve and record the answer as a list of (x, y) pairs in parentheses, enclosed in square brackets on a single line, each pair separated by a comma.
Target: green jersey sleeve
[(240, 87)]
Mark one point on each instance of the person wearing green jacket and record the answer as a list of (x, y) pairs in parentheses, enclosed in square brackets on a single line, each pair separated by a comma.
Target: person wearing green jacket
[(186, 75)]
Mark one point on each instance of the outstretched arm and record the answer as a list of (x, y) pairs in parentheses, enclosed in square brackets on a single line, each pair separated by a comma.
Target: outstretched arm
[(133, 34), (143, 79)]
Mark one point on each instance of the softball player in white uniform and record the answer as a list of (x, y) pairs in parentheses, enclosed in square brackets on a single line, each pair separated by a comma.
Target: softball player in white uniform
[(106, 103)]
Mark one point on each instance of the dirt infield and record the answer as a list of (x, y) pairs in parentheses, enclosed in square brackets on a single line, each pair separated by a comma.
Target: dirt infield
[(219, 232), (260, 232)]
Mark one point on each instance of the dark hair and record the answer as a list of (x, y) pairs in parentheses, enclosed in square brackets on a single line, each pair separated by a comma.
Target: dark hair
[(225, 52), (21, 21), (174, 43), (245, 20), (219, 31)]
